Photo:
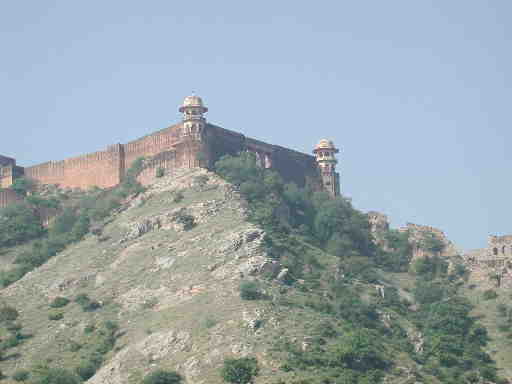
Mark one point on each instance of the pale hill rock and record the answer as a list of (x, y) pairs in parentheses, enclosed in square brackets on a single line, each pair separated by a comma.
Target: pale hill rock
[(173, 292)]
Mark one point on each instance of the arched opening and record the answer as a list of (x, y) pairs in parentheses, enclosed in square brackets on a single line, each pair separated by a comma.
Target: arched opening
[(495, 251), (503, 250)]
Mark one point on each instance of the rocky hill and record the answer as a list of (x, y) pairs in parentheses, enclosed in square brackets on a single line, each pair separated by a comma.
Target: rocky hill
[(183, 276)]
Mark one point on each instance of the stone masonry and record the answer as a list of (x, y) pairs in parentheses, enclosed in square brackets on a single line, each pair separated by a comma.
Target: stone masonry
[(189, 144)]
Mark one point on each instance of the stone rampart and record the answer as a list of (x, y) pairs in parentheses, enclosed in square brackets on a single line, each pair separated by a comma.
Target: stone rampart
[(101, 169), (150, 145), (8, 196), (293, 166), (167, 149)]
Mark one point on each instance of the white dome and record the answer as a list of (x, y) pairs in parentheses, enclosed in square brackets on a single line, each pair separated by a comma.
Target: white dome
[(193, 101)]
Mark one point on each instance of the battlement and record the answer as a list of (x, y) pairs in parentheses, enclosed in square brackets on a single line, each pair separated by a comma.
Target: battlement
[(188, 144)]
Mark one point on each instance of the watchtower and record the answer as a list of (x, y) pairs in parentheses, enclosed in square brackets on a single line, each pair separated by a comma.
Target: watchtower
[(194, 122), (325, 153)]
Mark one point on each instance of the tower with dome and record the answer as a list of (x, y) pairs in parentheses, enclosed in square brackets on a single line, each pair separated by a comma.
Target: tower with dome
[(325, 153)]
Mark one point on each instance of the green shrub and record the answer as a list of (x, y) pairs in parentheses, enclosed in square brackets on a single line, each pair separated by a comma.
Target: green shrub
[(46, 375), (490, 294), (59, 302), (22, 186), (8, 313), (89, 328), (21, 375), (74, 346), (186, 220), (11, 342), (210, 322), (87, 304), (162, 377), (86, 369), (177, 196), (240, 371), (55, 316), (250, 290), (160, 172), (18, 224)]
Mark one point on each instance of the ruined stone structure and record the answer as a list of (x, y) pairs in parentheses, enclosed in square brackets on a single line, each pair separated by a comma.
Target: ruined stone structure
[(192, 143), (417, 235), (492, 266), (500, 246)]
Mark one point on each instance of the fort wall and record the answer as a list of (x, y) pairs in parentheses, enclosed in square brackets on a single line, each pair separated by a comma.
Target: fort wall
[(101, 169), (169, 148), (7, 197), (293, 166)]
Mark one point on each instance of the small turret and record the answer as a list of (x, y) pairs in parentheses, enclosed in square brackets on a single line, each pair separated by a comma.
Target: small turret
[(194, 122), (325, 153)]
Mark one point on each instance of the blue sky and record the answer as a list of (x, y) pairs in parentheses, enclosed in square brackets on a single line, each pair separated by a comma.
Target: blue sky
[(415, 93)]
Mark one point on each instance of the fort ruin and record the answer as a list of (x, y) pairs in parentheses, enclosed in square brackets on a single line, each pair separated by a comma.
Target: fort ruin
[(191, 143)]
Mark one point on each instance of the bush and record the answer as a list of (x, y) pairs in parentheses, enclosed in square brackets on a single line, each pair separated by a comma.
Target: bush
[(59, 302), (177, 196), (86, 303), (21, 375), (19, 224), (240, 371), (8, 314), (162, 377), (22, 186), (160, 172), (74, 346), (89, 328), (45, 375), (185, 219), (490, 294), (56, 316), (250, 290), (87, 369)]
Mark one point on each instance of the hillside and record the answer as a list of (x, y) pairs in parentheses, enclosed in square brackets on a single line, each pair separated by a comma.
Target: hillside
[(160, 286)]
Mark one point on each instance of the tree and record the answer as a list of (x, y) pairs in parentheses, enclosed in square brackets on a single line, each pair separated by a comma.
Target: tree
[(237, 169), (18, 224), (360, 350), (46, 375), (162, 377), (240, 371), (22, 186)]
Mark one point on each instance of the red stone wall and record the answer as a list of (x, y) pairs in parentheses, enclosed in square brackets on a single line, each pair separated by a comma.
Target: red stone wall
[(166, 149), (293, 166), (150, 145), (100, 169), (8, 196)]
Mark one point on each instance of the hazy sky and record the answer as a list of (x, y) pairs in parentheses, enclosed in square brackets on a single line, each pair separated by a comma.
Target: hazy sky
[(417, 94)]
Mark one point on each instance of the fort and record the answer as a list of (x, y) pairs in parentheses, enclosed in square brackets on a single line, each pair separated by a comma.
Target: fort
[(191, 143)]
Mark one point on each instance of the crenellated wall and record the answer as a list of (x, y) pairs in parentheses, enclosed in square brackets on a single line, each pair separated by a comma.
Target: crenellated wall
[(7, 197), (169, 148), (101, 169)]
